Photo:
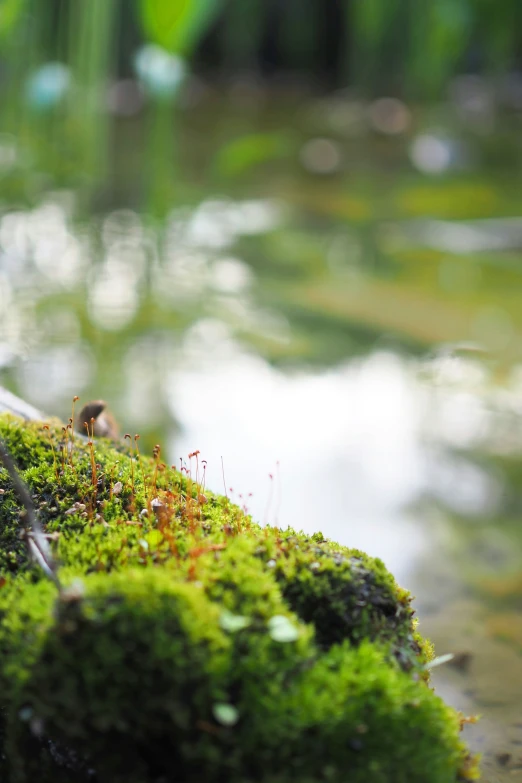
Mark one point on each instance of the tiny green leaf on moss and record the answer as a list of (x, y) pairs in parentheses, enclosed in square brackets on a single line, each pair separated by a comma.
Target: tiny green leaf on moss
[(282, 630), (233, 622)]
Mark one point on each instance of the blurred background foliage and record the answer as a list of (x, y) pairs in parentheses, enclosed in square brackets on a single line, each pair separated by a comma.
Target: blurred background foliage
[(342, 41)]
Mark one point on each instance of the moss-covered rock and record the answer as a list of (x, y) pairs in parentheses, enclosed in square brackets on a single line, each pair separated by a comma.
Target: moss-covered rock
[(190, 644)]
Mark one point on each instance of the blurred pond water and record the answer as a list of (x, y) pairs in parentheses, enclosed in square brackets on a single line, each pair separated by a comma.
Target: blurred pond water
[(327, 297)]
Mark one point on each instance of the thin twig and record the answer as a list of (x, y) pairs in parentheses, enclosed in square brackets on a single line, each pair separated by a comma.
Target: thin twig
[(36, 541)]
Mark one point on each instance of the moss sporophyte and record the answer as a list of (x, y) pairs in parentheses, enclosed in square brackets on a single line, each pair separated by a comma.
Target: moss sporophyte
[(183, 642)]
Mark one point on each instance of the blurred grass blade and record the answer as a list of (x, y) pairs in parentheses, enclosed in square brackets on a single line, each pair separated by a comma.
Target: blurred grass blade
[(10, 13), (371, 26), (371, 19), (443, 30), (176, 25), (91, 55)]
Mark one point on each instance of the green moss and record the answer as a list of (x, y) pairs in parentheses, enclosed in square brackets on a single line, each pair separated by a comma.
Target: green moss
[(191, 644), (345, 594), (369, 723)]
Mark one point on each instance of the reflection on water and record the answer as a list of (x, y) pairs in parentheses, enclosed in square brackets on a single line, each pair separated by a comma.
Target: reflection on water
[(466, 236), (349, 325), (347, 442)]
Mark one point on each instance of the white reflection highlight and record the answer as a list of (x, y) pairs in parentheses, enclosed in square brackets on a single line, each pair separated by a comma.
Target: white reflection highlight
[(431, 154), (113, 298), (463, 487), (208, 337), (41, 239), (230, 276), (5, 294), (56, 251), (213, 225), (14, 236), (183, 276), (217, 223), (460, 419), (465, 237), (122, 224), (63, 265), (347, 440)]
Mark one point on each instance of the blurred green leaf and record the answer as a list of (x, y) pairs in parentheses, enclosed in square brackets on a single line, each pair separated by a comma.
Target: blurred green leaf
[(10, 14), (241, 154), (176, 25)]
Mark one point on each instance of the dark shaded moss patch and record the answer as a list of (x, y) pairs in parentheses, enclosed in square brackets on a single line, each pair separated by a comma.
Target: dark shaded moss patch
[(191, 644)]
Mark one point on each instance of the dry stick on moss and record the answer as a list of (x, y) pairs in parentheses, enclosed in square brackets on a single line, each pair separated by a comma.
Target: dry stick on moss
[(36, 541)]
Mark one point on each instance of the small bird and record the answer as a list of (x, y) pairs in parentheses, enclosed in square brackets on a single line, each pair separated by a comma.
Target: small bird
[(104, 423)]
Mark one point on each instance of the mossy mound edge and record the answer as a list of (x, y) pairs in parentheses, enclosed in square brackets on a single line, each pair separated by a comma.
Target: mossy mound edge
[(189, 643)]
